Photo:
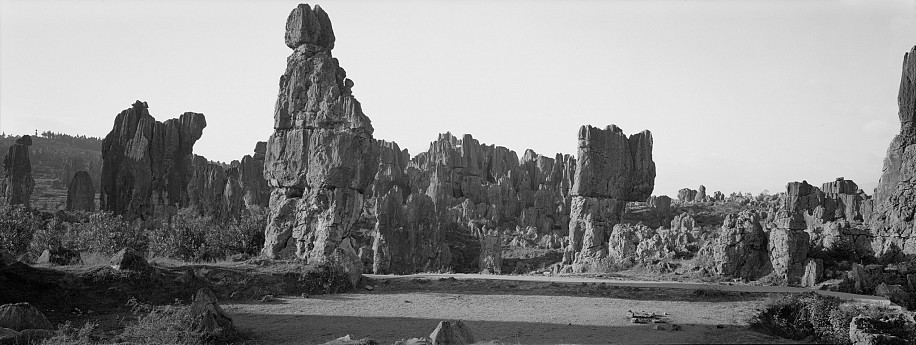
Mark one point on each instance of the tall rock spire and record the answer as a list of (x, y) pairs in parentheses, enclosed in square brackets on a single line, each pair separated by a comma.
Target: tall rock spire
[(321, 157)]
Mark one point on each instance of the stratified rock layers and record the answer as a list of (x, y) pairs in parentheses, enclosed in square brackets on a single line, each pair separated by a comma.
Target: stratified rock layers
[(321, 157), (146, 163), (611, 170), (893, 225)]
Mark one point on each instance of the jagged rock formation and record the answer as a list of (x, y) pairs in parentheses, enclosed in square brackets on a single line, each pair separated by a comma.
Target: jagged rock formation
[(788, 253), (701, 194), (611, 170), (661, 204), (227, 193), (814, 272), (895, 197), (686, 194), (321, 158), (407, 239), (741, 248), (18, 178), (491, 258), (146, 163), (81, 193)]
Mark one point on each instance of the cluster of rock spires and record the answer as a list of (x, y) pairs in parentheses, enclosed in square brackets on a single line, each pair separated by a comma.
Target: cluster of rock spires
[(149, 169), (17, 180)]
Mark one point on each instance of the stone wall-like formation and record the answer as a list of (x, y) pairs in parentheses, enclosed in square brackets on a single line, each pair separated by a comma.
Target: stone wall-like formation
[(612, 169), (145, 163)]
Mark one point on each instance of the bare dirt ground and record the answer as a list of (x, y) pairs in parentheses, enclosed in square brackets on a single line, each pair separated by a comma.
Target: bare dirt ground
[(505, 311)]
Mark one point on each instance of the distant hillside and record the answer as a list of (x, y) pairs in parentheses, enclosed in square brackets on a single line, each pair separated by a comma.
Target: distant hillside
[(55, 158)]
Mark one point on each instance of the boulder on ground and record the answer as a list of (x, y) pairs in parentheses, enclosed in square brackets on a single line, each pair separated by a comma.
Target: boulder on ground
[(59, 256), (129, 259), (451, 333), (22, 316), (212, 319)]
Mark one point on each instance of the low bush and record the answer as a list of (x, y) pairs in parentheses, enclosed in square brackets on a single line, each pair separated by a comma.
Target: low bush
[(99, 232), (17, 225), (826, 319), (195, 238)]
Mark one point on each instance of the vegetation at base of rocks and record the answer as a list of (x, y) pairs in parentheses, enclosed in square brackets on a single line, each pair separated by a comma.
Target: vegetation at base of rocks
[(17, 226), (194, 238), (813, 317), (168, 324), (187, 237)]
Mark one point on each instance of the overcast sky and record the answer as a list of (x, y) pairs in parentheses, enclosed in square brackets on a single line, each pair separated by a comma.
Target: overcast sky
[(739, 95)]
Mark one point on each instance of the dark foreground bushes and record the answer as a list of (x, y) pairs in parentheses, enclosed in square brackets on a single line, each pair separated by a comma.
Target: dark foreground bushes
[(815, 318), (187, 237)]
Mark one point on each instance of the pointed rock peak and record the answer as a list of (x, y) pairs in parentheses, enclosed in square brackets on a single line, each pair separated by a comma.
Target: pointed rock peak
[(307, 25)]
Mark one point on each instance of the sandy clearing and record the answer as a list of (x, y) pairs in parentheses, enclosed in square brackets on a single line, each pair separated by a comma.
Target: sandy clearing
[(524, 319)]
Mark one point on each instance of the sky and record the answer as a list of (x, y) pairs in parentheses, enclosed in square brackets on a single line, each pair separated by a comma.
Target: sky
[(739, 95)]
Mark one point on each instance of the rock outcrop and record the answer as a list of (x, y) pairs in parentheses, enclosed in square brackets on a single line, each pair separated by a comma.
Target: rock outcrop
[(145, 163), (18, 179), (451, 333), (895, 197), (81, 193), (210, 318), (23, 316), (741, 248), (788, 253), (686, 195), (612, 169), (321, 158), (701, 194)]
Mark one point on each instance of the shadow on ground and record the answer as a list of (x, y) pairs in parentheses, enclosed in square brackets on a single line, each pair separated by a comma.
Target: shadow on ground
[(316, 329)]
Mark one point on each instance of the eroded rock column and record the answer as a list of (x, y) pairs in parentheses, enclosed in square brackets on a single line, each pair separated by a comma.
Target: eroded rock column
[(611, 170), (18, 167), (321, 157)]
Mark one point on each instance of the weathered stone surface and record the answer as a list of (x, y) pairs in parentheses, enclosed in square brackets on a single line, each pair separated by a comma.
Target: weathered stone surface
[(321, 158), (22, 316), (128, 259), (81, 193), (145, 163), (860, 277), (611, 170), (408, 238), (307, 26), (491, 257), (788, 253), (251, 177), (206, 188), (814, 272), (741, 248), (59, 256), (610, 165), (686, 195), (210, 318), (895, 197), (662, 204), (18, 179), (701, 194), (451, 333)]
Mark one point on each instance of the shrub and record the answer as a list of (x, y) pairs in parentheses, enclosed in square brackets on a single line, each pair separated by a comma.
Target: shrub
[(17, 225), (169, 324), (196, 238), (100, 232), (800, 316)]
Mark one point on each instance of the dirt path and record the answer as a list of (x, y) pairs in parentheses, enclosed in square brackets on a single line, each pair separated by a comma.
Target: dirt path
[(642, 283), (516, 311)]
